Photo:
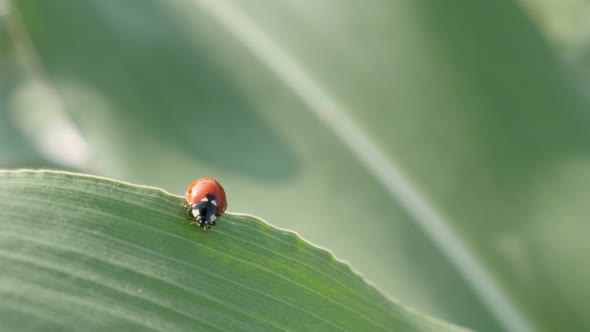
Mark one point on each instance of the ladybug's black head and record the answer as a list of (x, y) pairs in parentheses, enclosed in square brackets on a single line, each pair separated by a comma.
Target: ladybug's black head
[(204, 212)]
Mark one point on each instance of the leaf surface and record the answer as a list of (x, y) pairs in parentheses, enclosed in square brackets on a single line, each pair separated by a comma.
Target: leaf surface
[(88, 253)]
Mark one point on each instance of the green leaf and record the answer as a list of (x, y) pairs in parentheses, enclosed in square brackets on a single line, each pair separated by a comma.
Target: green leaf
[(87, 253), (154, 98), (465, 100)]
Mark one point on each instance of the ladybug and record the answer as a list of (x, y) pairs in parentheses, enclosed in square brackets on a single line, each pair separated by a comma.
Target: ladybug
[(205, 199)]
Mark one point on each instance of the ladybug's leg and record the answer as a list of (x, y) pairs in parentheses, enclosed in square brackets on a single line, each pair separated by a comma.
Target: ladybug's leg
[(193, 222)]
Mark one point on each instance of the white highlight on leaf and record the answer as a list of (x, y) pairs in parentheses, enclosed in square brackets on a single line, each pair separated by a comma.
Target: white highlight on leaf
[(370, 154), (4, 8), (38, 112), (37, 109)]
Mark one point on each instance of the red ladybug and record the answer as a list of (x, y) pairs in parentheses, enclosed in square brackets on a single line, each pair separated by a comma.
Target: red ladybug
[(205, 199)]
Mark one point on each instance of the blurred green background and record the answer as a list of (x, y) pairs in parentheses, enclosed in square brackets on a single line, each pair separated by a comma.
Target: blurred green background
[(303, 110)]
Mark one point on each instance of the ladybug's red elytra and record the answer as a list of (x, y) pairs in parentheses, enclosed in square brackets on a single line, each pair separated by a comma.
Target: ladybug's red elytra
[(205, 199)]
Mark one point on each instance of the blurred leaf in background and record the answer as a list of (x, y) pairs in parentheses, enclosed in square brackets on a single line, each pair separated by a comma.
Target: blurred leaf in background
[(567, 27), (442, 144), (14, 150)]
